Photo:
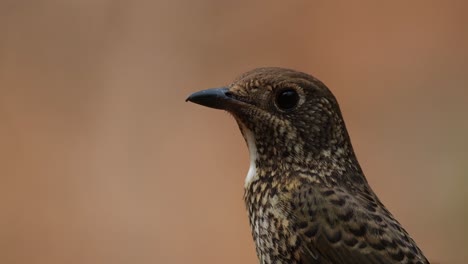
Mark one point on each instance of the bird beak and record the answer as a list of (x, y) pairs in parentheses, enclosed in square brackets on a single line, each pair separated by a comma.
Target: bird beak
[(217, 98)]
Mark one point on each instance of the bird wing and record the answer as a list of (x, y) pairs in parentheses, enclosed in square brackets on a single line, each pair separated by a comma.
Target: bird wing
[(335, 225)]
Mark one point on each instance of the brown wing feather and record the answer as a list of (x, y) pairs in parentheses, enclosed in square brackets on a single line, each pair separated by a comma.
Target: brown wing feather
[(341, 226)]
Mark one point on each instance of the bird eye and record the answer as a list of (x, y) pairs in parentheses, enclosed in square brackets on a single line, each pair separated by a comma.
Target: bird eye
[(286, 99)]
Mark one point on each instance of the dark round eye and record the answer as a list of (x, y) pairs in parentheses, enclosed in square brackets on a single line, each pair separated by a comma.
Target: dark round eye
[(287, 99)]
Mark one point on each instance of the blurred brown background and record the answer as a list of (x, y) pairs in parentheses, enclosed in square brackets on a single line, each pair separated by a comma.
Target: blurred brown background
[(102, 161)]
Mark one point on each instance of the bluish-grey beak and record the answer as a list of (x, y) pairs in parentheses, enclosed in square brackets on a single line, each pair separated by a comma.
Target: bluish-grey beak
[(215, 98)]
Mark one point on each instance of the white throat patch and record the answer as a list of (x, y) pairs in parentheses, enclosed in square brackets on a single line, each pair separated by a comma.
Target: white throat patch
[(252, 173)]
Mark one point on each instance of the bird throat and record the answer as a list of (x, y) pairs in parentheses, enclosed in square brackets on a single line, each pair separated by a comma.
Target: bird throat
[(250, 140)]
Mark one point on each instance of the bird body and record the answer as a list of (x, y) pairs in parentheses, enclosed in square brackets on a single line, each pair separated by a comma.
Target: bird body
[(307, 198)]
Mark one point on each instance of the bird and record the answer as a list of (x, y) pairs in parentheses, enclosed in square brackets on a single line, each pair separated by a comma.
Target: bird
[(307, 198)]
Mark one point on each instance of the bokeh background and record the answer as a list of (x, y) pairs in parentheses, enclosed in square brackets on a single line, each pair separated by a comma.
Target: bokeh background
[(102, 161)]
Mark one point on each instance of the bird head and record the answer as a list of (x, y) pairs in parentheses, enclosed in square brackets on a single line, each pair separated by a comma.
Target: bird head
[(288, 118)]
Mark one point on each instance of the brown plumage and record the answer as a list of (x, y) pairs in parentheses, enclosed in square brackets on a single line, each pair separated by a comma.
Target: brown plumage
[(306, 195)]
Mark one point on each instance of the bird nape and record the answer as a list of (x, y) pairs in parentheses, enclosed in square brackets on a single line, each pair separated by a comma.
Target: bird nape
[(307, 197)]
